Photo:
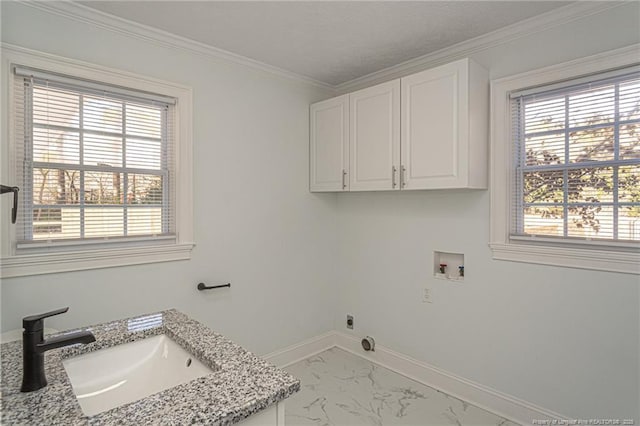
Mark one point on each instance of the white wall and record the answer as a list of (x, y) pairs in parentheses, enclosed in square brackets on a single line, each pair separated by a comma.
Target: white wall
[(565, 339), (255, 222)]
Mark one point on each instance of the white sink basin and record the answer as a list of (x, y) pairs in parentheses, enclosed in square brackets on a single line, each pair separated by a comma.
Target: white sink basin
[(111, 377)]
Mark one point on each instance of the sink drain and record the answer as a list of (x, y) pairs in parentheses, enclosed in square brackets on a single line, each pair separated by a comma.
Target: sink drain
[(188, 362)]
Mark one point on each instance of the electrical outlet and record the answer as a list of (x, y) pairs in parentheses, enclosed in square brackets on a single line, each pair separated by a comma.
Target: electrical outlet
[(350, 322), (426, 295)]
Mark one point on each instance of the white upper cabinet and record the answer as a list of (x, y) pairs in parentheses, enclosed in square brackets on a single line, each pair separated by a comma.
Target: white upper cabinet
[(329, 145), (425, 131), (374, 137), (444, 127)]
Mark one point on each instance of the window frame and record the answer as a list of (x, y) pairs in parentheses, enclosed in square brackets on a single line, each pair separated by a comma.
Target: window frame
[(91, 255), (584, 255), (26, 244)]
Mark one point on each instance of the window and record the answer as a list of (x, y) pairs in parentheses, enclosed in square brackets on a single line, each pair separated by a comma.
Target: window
[(565, 164), (95, 164), (103, 162), (577, 161)]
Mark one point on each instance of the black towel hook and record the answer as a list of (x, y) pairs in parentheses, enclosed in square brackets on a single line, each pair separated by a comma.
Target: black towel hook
[(202, 286)]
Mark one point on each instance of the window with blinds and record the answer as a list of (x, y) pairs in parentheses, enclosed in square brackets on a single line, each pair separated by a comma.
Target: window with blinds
[(577, 160), (94, 161)]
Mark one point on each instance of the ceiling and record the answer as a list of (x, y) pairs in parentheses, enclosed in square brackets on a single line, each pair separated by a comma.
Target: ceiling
[(329, 41)]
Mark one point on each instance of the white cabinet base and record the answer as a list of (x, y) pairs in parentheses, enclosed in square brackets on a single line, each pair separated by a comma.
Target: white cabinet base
[(272, 416)]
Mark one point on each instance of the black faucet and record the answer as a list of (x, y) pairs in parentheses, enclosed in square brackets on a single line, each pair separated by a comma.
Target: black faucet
[(34, 346), (14, 189)]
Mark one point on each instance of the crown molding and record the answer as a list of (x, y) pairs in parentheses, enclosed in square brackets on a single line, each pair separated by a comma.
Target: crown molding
[(536, 24), (533, 25), (84, 14)]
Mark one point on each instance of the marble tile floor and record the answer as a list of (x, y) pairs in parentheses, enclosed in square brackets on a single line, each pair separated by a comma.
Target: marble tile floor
[(342, 389)]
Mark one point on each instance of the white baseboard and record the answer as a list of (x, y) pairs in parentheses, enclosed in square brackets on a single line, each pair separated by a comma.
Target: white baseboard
[(481, 396), (299, 351)]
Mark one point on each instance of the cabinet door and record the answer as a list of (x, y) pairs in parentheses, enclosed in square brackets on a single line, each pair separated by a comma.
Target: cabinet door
[(329, 145), (271, 416), (434, 134), (375, 137)]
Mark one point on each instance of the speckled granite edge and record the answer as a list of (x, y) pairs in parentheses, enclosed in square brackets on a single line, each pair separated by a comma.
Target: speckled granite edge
[(241, 384)]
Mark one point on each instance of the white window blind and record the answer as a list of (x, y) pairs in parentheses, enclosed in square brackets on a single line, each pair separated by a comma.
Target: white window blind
[(95, 162), (577, 161)]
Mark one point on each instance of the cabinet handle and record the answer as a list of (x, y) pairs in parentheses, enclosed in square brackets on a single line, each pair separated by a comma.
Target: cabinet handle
[(393, 176), (403, 178), (344, 179)]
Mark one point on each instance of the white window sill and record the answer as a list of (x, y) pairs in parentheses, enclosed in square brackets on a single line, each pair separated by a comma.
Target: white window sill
[(37, 264), (599, 260)]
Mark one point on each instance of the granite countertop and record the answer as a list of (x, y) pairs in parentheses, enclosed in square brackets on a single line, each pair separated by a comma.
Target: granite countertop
[(241, 384)]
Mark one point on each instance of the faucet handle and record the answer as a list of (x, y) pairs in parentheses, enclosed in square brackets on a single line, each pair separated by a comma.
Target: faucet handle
[(34, 323)]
